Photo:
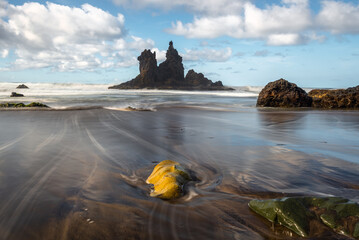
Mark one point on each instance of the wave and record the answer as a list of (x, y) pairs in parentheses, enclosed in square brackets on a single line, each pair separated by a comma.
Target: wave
[(64, 95)]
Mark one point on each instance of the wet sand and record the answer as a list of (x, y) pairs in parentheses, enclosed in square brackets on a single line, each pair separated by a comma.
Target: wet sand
[(81, 174)]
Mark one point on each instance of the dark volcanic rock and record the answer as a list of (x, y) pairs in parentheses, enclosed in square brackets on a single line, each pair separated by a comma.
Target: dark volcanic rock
[(340, 99), (169, 74), (282, 93), (148, 76), (14, 94), (193, 79), (172, 71), (22, 86)]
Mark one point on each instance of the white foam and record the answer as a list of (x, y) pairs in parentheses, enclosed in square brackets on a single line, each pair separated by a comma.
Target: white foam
[(64, 95)]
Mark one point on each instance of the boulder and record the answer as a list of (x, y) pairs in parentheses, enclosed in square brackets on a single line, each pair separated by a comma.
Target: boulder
[(336, 99), (296, 213), (14, 94), (282, 93), (22, 86), (168, 178)]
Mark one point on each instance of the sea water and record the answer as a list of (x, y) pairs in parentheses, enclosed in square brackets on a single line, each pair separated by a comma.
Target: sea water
[(68, 95)]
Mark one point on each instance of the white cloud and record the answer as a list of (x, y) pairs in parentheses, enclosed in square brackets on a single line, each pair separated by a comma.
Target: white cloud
[(160, 54), (206, 54), (286, 39), (275, 24), (291, 22), (339, 17), (211, 7), (66, 38), (209, 27), (4, 53)]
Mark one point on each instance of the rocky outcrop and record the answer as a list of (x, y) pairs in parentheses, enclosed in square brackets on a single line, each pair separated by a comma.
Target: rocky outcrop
[(282, 93), (22, 105), (22, 86), (197, 79), (168, 178), (171, 71), (336, 99), (148, 76), (168, 75), (14, 94), (297, 213)]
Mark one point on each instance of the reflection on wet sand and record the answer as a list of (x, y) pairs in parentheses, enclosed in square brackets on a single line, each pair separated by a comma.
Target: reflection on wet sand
[(81, 174)]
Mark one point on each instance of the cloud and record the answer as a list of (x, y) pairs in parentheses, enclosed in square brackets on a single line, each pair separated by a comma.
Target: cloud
[(4, 53), (277, 25), (290, 22), (211, 7), (212, 55), (66, 38), (339, 17), (262, 53)]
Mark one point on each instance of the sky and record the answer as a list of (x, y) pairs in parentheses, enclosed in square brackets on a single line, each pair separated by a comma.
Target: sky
[(240, 42)]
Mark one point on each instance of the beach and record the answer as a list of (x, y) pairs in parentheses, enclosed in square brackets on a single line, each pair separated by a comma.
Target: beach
[(81, 174)]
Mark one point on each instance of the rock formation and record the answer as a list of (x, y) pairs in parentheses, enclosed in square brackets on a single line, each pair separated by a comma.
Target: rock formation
[(336, 99), (22, 105), (22, 86), (282, 93), (168, 75), (168, 178), (14, 94), (297, 213)]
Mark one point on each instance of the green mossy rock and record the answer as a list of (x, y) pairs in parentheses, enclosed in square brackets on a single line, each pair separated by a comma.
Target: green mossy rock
[(295, 213), (22, 105), (36, 104), (356, 230), (289, 212)]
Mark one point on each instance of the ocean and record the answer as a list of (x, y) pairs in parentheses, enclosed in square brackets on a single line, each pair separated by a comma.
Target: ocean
[(68, 95)]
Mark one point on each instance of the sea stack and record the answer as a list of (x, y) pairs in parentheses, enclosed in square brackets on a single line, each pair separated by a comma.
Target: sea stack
[(22, 86), (168, 75)]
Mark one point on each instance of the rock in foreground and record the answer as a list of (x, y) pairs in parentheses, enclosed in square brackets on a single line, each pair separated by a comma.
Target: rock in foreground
[(22, 105), (282, 93), (168, 178), (22, 86), (296, 213), (168, 75), (336, 99)]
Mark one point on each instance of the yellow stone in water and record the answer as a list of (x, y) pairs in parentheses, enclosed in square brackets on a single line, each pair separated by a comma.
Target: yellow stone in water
[(168, 178)]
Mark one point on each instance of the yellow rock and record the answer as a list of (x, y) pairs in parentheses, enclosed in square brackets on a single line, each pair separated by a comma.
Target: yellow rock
[(168, 178)]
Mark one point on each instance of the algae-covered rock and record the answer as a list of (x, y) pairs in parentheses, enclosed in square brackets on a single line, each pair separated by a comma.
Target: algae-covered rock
[(36, 104), (168, 178), (22, 105), (295, 213), (289, 212)]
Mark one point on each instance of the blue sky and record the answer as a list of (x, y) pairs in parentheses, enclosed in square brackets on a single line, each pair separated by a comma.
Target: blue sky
[(241, 42)]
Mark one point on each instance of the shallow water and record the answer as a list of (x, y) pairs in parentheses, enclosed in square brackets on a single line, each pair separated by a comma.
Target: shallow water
[(81, 174)]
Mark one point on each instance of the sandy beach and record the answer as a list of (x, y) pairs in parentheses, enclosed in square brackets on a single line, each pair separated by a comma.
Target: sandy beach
[(81, 174)]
